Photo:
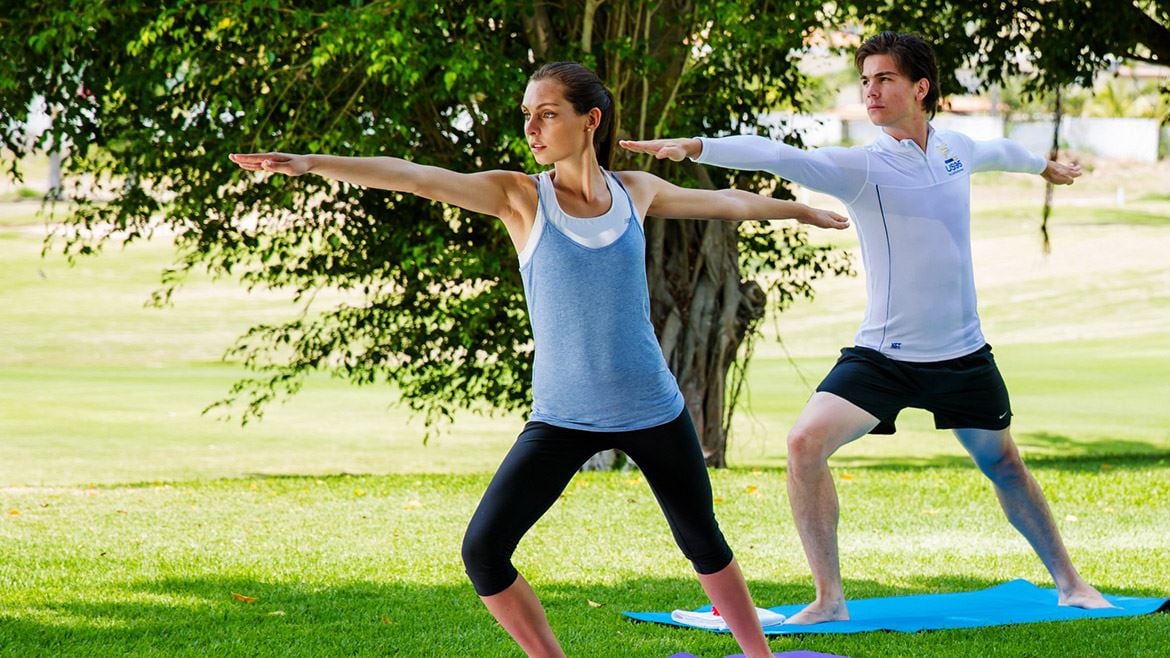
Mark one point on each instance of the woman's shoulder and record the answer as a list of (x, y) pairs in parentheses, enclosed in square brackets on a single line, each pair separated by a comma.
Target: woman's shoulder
[(515, 182), (519, 188), (634, 178)]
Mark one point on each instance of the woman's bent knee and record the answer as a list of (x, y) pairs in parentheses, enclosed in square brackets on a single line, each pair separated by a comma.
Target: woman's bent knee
[(713, 561), (487, 562)]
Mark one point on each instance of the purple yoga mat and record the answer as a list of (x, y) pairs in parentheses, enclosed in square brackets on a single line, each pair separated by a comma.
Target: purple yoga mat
[(800, 653)]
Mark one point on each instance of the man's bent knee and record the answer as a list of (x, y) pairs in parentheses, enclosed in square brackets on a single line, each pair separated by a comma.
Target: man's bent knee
[(807, 447), (1008, 470)]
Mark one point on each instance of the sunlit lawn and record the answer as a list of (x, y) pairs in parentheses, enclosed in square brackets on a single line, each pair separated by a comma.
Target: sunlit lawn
[(128, 519)]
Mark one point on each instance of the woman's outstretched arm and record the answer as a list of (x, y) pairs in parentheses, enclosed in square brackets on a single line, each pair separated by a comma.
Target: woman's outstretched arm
[(660, 198), (508, 195)]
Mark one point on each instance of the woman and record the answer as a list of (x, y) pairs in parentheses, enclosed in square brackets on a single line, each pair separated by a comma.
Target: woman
[(600, 380)]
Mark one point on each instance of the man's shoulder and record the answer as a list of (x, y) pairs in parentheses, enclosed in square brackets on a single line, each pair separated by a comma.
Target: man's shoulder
[(842, 152), (952, 144), (954, 137)]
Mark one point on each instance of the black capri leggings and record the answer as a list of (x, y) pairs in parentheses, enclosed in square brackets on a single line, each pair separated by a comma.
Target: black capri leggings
[(543, 461)]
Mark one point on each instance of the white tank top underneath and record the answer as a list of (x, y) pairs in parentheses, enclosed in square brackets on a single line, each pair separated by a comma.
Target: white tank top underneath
[(592, 232)]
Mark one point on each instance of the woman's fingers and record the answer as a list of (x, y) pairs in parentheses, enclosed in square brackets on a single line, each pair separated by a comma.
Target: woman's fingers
[(636, 146), (650, 146), (281, 163), (829, 219), (662, 149)]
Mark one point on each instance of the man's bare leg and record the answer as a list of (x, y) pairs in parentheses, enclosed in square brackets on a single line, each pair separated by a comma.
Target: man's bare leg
[(995, 453), (826, 423)]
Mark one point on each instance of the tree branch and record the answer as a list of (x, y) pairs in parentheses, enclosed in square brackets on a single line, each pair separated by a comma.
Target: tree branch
[(587, 24), (1150, 33), (1145, 58), (538, 28)]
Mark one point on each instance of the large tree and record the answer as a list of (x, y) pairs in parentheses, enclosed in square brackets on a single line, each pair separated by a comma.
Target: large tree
[(1052, 43), (151, 97)]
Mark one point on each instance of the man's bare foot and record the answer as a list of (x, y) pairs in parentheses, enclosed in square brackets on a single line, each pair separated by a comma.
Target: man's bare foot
[(1084, 596), (817, 612)]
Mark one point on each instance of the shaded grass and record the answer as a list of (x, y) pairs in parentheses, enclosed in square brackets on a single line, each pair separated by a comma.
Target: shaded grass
[(349, 565)]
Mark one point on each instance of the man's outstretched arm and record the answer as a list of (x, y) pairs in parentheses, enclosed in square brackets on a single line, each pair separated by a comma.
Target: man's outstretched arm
[(836, 171), (1006, 155)]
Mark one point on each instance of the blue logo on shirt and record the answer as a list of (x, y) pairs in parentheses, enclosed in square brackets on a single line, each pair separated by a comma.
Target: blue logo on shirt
[(954, 165), (895, 346)]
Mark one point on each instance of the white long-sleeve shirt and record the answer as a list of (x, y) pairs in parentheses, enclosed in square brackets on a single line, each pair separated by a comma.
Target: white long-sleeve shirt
[(912, 210)]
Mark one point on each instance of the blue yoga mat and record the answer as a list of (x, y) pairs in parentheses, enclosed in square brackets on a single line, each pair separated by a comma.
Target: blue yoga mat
[(1015, 602)]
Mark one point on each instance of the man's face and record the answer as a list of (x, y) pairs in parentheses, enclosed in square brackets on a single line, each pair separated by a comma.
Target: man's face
[(891, 98)]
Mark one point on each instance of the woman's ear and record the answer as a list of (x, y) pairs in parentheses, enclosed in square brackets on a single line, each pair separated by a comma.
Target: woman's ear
[(593, 119)]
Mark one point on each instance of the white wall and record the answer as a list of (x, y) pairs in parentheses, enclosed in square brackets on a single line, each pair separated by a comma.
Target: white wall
[(1119, 139), (975, 127), (816, 129)]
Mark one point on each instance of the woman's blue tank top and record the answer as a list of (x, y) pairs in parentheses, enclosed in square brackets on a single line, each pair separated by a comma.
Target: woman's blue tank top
[(598, 365)]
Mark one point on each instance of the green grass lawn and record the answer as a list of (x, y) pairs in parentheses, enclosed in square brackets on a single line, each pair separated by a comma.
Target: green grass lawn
[(128, 520), (368, 565)]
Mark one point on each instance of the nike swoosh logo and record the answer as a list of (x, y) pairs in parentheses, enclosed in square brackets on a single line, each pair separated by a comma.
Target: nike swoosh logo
[(1003, 415)]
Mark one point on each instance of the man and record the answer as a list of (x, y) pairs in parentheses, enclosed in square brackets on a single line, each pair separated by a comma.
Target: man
[(919, 344)]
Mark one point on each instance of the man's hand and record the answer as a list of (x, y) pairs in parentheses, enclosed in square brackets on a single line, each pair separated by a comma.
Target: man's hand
[(1059, 173), (674, 149)]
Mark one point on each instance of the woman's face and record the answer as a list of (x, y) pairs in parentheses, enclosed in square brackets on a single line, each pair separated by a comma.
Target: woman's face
[(552, 127)]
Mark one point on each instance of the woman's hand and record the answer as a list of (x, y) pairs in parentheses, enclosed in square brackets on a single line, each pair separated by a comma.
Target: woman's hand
[(823, 219), (677, 149), (289, 164)]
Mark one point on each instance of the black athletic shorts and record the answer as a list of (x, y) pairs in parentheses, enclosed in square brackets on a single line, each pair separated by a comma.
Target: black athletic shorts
[(966, 392)]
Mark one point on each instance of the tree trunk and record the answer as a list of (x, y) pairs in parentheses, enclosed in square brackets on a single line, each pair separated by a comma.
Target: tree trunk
[(1053, 154), (700, 308), (702, 311)]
